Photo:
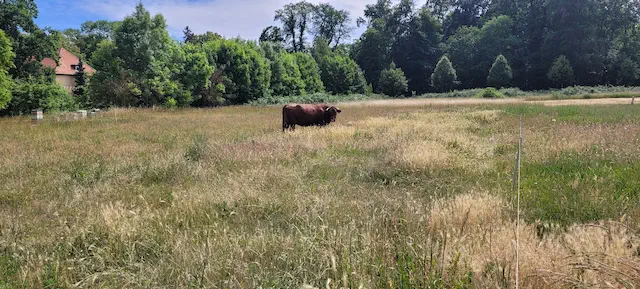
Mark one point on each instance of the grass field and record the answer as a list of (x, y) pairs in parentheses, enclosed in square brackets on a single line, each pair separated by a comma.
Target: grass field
[(393, 195)]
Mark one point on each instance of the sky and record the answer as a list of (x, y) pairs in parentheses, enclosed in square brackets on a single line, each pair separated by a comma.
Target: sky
[(230, 18)]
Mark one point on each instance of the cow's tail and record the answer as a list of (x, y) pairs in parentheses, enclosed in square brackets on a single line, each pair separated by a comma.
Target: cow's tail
[(285, 121)]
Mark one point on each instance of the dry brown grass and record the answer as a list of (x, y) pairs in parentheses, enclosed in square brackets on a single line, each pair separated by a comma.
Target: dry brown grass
[(390, 196)]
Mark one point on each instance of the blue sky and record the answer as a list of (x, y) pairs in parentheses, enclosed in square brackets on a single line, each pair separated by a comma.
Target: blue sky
[(230, 18)]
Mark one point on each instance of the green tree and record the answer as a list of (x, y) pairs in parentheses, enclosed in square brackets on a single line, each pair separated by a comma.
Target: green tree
[(195, 75), (561, 73), (309, 72), (189, 36), (141, 66), (6, 62), (417, 51), (444, 77), (331, 23), (112, 84), (371, 52), (245, 71), (393, 82), (295, 19), (628, 74), (500, 74), (91, 33), (272, 34), (80, 89), (286, 76), (341, 75), (462, 49), (572, 30)]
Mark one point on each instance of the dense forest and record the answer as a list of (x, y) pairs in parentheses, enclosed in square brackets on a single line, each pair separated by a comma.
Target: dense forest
[(405, 50)]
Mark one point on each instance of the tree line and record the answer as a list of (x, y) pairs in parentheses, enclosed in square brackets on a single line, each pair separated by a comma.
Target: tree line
[(405, 49)]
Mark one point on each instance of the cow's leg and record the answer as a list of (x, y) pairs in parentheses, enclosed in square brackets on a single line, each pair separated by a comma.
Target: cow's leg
[(285, 126), (293, 127)]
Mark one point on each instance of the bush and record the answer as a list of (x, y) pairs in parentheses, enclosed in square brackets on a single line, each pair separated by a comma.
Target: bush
[(32, 94), (500, 74), (444, 77), (393, 82), (170, 104), (490, 92), (313, 98), (513, 92)]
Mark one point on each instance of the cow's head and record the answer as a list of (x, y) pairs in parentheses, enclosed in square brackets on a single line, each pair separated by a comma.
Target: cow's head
[(331, 113)]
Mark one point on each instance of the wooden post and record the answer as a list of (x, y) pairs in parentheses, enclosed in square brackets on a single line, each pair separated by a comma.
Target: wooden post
[(516, 182)]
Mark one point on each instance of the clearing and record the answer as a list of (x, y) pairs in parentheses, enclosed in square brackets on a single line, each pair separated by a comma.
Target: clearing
[(396, 194)]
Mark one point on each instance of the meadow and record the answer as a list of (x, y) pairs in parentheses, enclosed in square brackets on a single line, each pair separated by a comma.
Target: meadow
[(393, 195)]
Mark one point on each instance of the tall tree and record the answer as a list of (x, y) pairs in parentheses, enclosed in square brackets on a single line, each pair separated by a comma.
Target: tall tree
[(6, 62), (295, 19), (393, 81), (80, 90), (372, 53), (309, 72), (561, 73), (141, 61), (332, 24), (462, 48), (30, 43), (464, 13), (444, 77), (416, 51), (500, 74), (92, 33), (188, 35), (272, 34), (572, 32)]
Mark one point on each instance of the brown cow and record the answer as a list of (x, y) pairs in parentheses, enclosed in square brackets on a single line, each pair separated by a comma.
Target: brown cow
[(308, 115)]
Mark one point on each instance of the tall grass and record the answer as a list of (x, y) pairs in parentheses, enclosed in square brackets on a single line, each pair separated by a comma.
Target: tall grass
[(387, 197)]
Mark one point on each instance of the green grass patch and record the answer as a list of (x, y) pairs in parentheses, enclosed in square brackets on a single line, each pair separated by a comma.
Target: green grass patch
[(580, 114), (578, 188)]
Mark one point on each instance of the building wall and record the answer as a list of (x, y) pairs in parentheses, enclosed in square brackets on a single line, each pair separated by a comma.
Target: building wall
[(66, 81)]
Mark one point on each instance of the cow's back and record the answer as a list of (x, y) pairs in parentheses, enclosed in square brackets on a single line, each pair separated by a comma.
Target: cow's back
[(304, 114)]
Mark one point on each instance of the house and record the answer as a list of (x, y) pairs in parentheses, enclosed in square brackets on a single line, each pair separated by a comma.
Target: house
[(66, 68)]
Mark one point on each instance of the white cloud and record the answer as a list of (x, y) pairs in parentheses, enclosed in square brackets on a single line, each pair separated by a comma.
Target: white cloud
[(230, 18)]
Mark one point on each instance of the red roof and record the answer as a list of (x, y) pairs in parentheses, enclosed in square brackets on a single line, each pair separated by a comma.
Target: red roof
[(66, 64)]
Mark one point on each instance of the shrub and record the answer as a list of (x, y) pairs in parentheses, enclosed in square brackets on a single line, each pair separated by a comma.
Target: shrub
[(561, 73), (513, 92), (197, 149), (313, 98), (490, 92), (170, 103), (31, 94), (500, 74), (444, 77), (393, 82)]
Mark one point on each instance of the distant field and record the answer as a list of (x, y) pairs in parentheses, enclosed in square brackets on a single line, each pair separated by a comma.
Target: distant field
[(396, 194)]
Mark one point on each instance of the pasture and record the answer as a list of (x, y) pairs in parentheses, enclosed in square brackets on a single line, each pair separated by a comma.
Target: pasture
[(394, 195)]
